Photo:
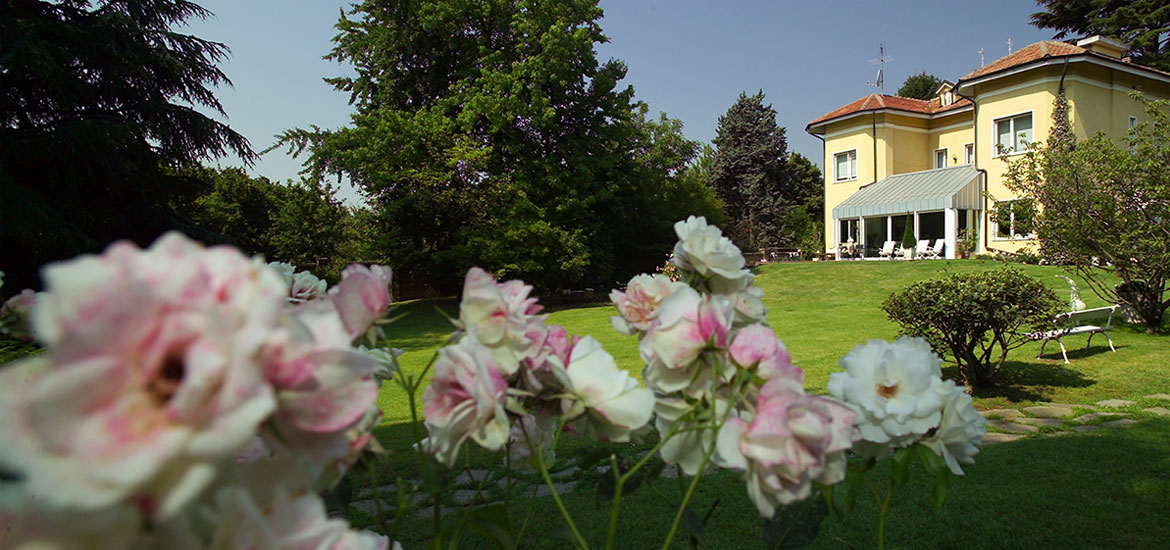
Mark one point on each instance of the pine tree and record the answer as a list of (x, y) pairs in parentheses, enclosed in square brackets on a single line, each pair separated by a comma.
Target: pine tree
[(750, 174)]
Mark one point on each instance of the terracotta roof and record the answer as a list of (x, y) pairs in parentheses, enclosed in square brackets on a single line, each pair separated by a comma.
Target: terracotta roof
[(874, 102), (1027, 54)]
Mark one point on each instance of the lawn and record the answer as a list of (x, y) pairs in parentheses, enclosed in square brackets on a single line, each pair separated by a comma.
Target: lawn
[(1106, 488)]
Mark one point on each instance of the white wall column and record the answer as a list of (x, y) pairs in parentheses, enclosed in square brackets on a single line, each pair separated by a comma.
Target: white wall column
[(951, 224), (889, 229)]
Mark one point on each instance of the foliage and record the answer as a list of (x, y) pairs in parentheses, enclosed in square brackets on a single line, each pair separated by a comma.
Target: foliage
[(1106, 210), (303, 224), (96, 96), (1017, 216), (750, 174), (975, 319), (920, 86), (487, 133), (908, 240), (1142, 24), (968, 241)]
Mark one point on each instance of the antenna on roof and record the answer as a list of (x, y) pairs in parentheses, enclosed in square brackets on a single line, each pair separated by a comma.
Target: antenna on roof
[(1009, 45), (980, 57), (880, 62)]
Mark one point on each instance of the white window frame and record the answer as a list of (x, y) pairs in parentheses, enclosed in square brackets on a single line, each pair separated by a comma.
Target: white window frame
[(852, 165), (946, 151), (1132, 122), (1011, 228), (995, 133), (968, 154)]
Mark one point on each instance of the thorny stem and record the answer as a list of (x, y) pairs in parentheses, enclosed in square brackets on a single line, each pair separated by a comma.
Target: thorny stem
[(882, 515), (538, 452), (621, 481)]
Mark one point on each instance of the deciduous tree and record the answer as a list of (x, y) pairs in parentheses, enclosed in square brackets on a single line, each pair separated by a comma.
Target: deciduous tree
[(486, 132), (1105, 211), (920, 86)]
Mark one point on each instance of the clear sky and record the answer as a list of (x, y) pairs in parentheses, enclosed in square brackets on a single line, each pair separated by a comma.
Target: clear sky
[(689, 58)]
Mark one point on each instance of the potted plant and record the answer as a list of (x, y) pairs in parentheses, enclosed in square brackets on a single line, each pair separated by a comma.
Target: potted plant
[(968, 242), (908, 240)]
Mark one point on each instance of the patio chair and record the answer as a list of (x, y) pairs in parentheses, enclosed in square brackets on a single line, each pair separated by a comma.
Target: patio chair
[(935, 252), (887, 250), (922, 248)]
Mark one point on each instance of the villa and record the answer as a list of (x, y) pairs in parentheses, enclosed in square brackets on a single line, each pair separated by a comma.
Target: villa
[(940, 163)]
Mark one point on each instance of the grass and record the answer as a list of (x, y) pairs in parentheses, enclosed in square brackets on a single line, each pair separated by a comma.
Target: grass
[(1017, 495), (1107, 488)]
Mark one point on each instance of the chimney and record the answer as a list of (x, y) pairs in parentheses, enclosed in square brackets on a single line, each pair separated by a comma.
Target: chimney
[(1104, 45)]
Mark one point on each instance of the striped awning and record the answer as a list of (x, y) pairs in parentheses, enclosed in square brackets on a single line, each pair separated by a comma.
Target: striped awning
[(939, 189)]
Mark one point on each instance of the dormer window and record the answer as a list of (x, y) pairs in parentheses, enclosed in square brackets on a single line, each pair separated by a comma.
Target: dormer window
[(945, 94)]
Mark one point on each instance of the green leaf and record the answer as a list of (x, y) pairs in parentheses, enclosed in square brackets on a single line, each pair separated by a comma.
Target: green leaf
[(939, 492), (796, 525), (901, 465), (492, 522), (694, 526)]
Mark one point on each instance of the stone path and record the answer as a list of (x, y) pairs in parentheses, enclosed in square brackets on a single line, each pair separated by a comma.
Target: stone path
[(483, 486), (1052, 419)]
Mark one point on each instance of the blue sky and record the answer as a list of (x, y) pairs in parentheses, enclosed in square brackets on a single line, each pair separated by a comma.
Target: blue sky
[(689, 58)]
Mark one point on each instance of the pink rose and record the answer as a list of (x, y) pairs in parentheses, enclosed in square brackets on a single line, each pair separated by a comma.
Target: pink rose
[(465, 399), (549, 343), (286, 523), (324, 386), (638, 305), (498, 315), (688, 324), (613, 403), (757, 348), (362, 296), (152, 378), (794, 439), (14, 315)]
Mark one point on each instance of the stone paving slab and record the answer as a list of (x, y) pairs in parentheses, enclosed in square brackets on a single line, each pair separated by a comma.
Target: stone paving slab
[(1002, 413), (1012, 427), (1049, 411), (1044, 422), (1116, 403), (1119, 423), (1072, 405), (470, 477), (1160, 411), (992, 438), (1162, 396), (1086, 418), (384, 491), (1086, 428)]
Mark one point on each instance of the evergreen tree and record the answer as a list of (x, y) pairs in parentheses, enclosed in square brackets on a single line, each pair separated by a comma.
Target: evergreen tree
[(94, 98), (750, 174), (920, 86), (1143, 24)]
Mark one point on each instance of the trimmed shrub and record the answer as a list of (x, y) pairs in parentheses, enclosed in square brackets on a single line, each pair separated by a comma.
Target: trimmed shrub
[(975, 319)]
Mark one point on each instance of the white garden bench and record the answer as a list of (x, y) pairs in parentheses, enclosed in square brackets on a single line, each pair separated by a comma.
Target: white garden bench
[(1074, 322)]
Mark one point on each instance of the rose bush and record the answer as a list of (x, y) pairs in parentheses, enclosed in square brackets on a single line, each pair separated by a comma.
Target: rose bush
[(192, 397)]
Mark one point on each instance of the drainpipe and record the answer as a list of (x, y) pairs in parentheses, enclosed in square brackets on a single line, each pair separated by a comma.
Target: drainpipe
[(873, 132), (984, 227), (825, 151)]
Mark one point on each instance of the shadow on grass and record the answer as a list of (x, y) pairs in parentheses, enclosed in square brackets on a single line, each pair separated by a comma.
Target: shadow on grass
[(1105, 489), (1078, 352), (1030, 381)]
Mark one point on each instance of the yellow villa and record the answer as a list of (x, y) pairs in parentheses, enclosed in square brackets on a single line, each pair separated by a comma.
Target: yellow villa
[(939, 164)]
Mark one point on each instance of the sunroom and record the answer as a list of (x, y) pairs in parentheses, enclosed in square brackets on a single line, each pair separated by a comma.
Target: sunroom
[(939, 204)]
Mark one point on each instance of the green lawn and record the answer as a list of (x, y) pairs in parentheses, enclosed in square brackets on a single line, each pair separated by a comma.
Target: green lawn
[(1106, 488)]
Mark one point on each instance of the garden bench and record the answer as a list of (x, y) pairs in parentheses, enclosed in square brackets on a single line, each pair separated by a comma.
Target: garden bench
[(1073, 323)]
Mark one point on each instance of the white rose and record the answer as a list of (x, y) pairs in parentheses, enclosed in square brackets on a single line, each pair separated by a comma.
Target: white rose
[(961, 430), (893, 389), (703, 249)]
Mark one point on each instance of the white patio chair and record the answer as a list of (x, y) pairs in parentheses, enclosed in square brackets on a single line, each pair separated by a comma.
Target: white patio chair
[(922, 248), (887, 250), (935, 252)]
